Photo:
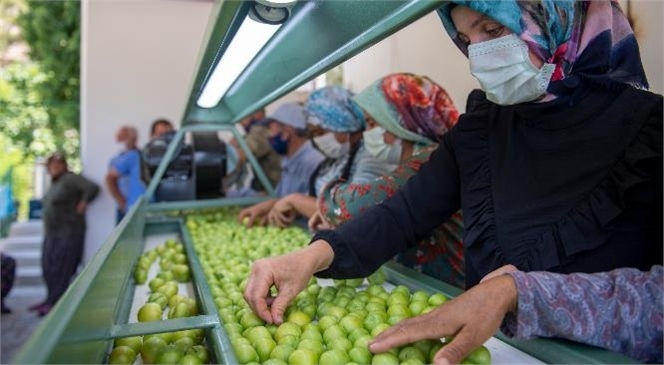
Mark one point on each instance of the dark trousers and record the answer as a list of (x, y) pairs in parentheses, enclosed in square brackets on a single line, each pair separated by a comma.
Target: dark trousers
[(61, 256), (118, 216), (8, 271)]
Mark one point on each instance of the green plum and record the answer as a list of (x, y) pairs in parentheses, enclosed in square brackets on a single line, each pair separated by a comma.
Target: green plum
[(412, 352), (334, 357), (360, 355), (303, 357), (385, 359), (281, 352), (135, 342), (151, 349), (122, 355)]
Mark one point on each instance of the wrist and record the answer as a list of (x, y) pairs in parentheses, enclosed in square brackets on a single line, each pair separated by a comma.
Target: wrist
[(319, 255), (507, 287), (291, 199), (266, 206)]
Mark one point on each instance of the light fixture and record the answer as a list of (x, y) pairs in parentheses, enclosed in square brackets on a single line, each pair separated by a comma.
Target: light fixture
[(257, 28)]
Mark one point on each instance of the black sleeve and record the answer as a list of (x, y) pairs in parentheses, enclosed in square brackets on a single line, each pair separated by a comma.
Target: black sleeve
[(364, 243)]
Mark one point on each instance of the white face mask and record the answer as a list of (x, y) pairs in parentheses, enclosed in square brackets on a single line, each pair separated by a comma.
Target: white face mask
[(503, 68), (330, 147), (375, 144), (120, 147)]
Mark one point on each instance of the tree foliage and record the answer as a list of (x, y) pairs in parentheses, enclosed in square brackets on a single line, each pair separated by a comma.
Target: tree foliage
[(9, 12), (52, 30), (39, 97)]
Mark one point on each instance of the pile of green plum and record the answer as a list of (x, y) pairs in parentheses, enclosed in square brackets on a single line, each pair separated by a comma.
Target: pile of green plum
[(181, 347), (325, 324)]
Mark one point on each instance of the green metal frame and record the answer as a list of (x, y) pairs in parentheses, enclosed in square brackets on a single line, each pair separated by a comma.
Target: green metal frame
[(333, 32), (170, 154), (222, 347), (89, 307), (95, 309)]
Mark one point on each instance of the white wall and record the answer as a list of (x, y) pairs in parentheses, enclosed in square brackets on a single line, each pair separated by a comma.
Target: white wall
[(426, 46), (648, 15), (365, 68), (137, 63)]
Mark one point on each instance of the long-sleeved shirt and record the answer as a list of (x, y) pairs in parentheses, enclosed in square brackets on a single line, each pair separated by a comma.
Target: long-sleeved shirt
[(620, 310), (297, 169), (545, 187), (60, 201), (440, 255), (257, 140)]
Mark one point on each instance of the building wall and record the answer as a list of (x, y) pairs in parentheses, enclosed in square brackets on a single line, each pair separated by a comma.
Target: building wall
[(648, 15), (363, 69), (137, 65)]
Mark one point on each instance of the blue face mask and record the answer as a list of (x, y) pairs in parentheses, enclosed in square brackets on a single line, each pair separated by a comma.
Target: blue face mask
[(279, 145)]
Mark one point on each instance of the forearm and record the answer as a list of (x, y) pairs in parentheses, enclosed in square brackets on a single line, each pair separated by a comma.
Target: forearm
[(112, 185), (363, 244), (615, 310), (367, 241), (305, 205), (264, 207), (341, 201), (319, 254)]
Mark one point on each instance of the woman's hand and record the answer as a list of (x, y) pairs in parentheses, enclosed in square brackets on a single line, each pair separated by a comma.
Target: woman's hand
[(256, 214), (81, 207), (472, 318), (318, 223), (289, 274), (282, 213)]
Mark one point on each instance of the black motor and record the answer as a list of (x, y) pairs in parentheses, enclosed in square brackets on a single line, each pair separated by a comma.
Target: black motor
[(196, 171)]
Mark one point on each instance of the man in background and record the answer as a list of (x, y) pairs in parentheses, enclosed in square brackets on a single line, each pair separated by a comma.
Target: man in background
[(160, 127), (257, 139), (124, 172), (289, 138), (159, 133), (64, 206)]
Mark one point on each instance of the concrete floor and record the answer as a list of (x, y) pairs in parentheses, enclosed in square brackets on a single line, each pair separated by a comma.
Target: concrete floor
[(24, 245), (17, 326)]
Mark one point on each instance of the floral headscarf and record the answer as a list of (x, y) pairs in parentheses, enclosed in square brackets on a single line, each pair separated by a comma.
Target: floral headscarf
[(589, 40), (409, 106), (333, 108)]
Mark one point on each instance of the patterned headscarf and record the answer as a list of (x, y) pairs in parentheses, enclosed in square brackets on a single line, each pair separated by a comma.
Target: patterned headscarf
[(409, 106), (589, 40), (333, 108)]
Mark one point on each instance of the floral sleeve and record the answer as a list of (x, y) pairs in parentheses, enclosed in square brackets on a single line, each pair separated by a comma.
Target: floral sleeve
[(341, 200), (620, 310)]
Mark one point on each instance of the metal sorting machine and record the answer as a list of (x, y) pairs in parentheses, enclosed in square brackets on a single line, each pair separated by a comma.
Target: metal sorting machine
[(96, 309)]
